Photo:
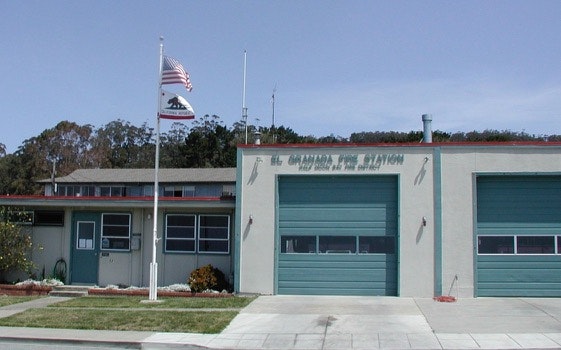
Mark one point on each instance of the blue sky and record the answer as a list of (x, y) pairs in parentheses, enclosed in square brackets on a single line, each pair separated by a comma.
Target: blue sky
[(338, 66)]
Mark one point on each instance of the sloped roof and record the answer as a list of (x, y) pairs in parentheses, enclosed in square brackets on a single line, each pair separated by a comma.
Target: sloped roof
[(147, 175)]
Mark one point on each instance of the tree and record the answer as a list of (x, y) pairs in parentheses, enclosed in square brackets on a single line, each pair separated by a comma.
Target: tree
[(67, 145), (210, 144), (173, 147), (119, 144), (15, 248)]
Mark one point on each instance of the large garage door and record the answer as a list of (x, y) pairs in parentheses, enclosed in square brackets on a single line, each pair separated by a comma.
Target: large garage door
[(518, 236), (337, 235)]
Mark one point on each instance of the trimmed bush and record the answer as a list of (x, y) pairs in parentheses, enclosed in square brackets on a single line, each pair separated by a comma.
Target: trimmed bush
[(207, 278)]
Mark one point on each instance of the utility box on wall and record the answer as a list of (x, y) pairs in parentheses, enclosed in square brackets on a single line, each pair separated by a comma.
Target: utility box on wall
[(135, 241)]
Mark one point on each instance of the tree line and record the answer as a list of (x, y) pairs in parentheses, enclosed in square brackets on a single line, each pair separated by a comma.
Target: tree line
[(207, 142)]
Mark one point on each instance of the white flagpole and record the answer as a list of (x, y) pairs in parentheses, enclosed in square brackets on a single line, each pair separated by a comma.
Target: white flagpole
[(153, 292), (244, 108)]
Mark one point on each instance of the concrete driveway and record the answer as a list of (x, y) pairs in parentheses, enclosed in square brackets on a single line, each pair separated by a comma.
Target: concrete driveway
[(331, 322)]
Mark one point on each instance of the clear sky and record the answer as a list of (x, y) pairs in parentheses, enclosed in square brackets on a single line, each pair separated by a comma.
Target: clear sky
[(338, 66)]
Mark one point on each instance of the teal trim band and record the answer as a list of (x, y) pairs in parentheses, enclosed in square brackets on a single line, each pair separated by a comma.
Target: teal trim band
[(238, 221), (437, 192)]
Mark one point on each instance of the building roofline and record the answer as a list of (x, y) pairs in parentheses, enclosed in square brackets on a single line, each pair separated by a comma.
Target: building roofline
[(408, 144), (137, 202)]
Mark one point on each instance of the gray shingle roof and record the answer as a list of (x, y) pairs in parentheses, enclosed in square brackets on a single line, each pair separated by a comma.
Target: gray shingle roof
[(147, 175)]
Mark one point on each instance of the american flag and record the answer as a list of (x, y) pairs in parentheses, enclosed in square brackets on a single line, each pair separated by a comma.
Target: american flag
[(174, 73)]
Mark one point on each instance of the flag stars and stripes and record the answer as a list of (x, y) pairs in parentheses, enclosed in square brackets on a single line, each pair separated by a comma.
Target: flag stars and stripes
[(174, 73)]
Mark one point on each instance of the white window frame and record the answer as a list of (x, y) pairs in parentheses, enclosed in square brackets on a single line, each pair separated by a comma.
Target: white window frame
[(180, 239), (103, 236), (227, 239), (556, 237)]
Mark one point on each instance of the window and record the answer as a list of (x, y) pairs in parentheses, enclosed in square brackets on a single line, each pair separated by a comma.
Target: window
[(535, 245), (376, 245), (49, 218), (179, 191), (293, 244), (173, 191), (214, 233), (112, 191), (298, 244), (495, 245), (85, 235), (21, 217), (517, 245), (115, 231), (337, 244), (190, 233), (188, 191), (180, 233)]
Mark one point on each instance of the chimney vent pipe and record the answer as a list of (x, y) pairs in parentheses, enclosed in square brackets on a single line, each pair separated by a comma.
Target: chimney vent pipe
[(427, 128)]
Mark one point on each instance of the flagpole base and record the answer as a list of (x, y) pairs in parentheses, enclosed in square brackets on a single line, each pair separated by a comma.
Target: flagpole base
[(153, 292)]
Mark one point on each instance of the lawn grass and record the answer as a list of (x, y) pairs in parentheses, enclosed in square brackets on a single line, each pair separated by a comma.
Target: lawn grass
[(10, 299), (166, 303), (123, 320), (128, 313)]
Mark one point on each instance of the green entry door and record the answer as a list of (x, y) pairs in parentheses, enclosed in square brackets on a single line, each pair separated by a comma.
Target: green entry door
[(337, 235), (85, 248)]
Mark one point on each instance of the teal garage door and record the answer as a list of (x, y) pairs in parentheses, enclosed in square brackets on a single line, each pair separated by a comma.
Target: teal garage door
[(337, 235), (518, 238)]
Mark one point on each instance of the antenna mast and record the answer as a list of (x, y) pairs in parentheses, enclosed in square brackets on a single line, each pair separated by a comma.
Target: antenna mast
[(273, 125)]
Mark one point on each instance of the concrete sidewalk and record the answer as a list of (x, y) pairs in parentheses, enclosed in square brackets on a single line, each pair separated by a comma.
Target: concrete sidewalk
[(329, 322)]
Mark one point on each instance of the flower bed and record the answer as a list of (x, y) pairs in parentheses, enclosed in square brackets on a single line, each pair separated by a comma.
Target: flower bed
[(162, 293), (24, 289)]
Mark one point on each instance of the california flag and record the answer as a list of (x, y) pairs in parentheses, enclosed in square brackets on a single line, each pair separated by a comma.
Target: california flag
[(173, 106)]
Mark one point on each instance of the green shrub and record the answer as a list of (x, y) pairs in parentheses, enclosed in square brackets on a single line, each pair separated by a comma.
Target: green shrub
[(207, 277)]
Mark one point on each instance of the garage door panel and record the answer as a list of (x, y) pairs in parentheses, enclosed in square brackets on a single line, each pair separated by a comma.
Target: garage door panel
[(343, 213), (325, 207), (515, 206)]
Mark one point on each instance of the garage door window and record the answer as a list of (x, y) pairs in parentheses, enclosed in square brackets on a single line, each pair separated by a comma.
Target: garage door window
[(496, 245), (376, 245), (298, 244), (521, 245), (535, 245), (337, 244)]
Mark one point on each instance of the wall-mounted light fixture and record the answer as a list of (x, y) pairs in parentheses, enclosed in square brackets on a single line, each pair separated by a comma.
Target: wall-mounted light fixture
[(149, 216), (424, 221), (250, 219)]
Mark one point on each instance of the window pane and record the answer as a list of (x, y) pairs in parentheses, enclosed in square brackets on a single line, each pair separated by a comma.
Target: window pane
[(118, 231), (495, 245), (180, 232), (213, 246), (116, 219), (535, 245), (180, 245), (214, 232), (49, 218), (298, 244), (105, 191), (115, 243), (376, 245), (337, 244), (215, 221), (181, 220)]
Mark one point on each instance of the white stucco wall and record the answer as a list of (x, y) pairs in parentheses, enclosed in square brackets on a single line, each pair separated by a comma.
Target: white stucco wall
[(260, 170), (460, 165)]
